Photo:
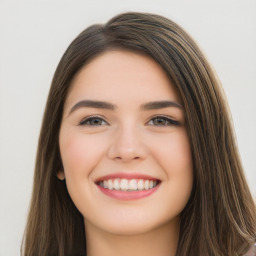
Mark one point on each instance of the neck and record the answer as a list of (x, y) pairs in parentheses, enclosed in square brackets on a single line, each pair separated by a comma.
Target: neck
[(161, 241)]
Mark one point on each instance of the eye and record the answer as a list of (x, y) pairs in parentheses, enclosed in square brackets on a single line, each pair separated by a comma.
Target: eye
[(163, 121), (93, 121)]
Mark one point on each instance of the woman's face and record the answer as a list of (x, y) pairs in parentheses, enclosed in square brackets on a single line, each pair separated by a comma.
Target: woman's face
[(124, 145)]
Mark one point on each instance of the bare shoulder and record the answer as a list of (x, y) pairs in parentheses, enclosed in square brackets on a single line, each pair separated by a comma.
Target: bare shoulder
[(252, 251)]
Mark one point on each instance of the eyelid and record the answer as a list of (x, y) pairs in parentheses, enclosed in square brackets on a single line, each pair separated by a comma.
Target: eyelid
[(91, 117), (170, 120), (167, 118)]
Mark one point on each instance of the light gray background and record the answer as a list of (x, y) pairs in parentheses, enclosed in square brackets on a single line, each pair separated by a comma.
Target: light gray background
[(33, 37)]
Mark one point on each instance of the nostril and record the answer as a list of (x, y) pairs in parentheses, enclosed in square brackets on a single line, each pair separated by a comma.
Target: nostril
[(126, 146)]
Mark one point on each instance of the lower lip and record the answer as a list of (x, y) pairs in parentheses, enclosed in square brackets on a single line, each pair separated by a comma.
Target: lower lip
[(125, 195)]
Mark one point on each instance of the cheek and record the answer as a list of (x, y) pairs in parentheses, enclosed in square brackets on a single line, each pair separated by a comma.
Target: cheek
[(174, 156), (174, 153), (180, 150), (79, 153)]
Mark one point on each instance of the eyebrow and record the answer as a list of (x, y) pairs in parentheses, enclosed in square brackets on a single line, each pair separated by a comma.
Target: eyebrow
[(160, 104), (92, 104), (106, 105)]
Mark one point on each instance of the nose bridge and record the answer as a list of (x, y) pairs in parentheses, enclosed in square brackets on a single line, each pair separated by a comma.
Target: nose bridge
[(127, 143)]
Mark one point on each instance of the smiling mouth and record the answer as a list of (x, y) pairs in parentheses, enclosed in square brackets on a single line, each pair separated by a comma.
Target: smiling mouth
[(128, 185)]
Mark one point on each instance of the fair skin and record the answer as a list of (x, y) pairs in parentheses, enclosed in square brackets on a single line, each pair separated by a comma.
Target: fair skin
[(123, 126)]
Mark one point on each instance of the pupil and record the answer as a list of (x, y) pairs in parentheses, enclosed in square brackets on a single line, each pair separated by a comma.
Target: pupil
[(96, 121), (159, 121)]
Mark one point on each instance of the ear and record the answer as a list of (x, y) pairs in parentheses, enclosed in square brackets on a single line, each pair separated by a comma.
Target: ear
[(61, 175)]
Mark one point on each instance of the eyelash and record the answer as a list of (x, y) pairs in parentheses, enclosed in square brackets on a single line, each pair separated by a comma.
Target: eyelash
[(167, 121), (91, 118)]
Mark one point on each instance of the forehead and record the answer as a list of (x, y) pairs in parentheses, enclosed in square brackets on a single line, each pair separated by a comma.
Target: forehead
[(119, 74)]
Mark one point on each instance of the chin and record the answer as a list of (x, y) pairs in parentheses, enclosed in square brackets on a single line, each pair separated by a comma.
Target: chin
[(133, 222), (130, 229)]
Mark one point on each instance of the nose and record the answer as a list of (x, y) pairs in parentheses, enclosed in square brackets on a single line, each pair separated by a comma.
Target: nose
[(127, 145)]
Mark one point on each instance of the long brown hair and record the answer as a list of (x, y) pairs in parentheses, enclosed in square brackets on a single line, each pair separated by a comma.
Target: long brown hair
[(219, 218)]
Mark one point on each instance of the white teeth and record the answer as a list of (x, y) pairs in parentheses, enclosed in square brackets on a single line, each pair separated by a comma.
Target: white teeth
[(133, 185), (116, 184), (151, 184), (124, 185), (140, 185), (128, 185), (110, 184), (146, 184)]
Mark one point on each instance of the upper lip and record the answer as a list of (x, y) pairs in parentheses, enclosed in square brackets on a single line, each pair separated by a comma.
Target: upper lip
[(128, 176)]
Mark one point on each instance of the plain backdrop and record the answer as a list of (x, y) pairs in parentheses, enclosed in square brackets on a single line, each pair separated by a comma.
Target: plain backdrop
[(34, 35)]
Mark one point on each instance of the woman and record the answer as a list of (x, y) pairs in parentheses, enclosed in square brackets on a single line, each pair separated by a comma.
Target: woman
[(136, 153)]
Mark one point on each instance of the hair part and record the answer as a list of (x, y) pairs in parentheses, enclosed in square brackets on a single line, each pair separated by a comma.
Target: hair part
[(219, 218)]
